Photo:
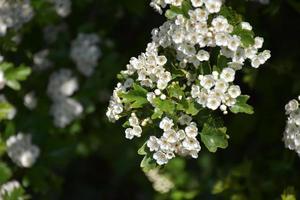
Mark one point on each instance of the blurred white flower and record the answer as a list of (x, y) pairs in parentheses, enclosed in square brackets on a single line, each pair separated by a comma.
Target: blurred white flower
[(21, 150), (85, 53)]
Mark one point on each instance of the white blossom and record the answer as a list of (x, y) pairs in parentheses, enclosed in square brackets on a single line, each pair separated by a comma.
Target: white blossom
[(85, 52), (21, 150), (291, 135), (8, 188), (13, 14), (160, 182)]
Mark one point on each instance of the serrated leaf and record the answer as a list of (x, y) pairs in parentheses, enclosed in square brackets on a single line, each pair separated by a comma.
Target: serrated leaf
[(5, 173), (214, 138), (137, 96), (174, 90), (232, 16), (189, 106), (157, 114), (241, 105), (247, 36), (167, 106)]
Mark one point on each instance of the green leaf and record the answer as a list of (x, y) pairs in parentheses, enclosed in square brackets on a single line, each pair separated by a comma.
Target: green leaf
[(247, 36), (214, 138), (222, 63), (167, 106), (16, 194), (137, 96), (289, 194), (5, 173), (232, 16), (241, 105), (2, 147), (5, 109), (5, 66), (189, 106), (13, 84), (183, 10), (157, 114), (19, 73), (174, 90), (148, 163), (142, 151)]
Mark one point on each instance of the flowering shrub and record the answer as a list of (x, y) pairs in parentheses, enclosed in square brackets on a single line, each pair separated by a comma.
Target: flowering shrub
[(186, 73), (177, 101)]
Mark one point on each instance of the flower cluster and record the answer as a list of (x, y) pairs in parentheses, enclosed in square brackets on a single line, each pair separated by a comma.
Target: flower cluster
[(189, 66), (13, 14), (85, 52), (216, 90), (61, 86), (8, 188), (160, 182), (21, 150), (62, 7), (291, 136), (182, 142)]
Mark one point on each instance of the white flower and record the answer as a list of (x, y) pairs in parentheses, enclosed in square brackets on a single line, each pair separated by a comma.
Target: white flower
[(129, 133), (21, 150), (234, 42), (171, 136), (213, 6), (2, 80), (62, 84), (228, 74), (133, 120), (222, 38), (62, 7), (221, 85), (213, 102), (160, 182), (207, 82), (246, 26), (202, 55), (8, 188), (153, 144), (220, 24), (166, 124), (191, 130), (293, 105), (30, 100), (85, 53), (64, 111), (291, 136), (160, 157), (197, 3), (258, 42), (14, 15), (234, 91), (191, 144)]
